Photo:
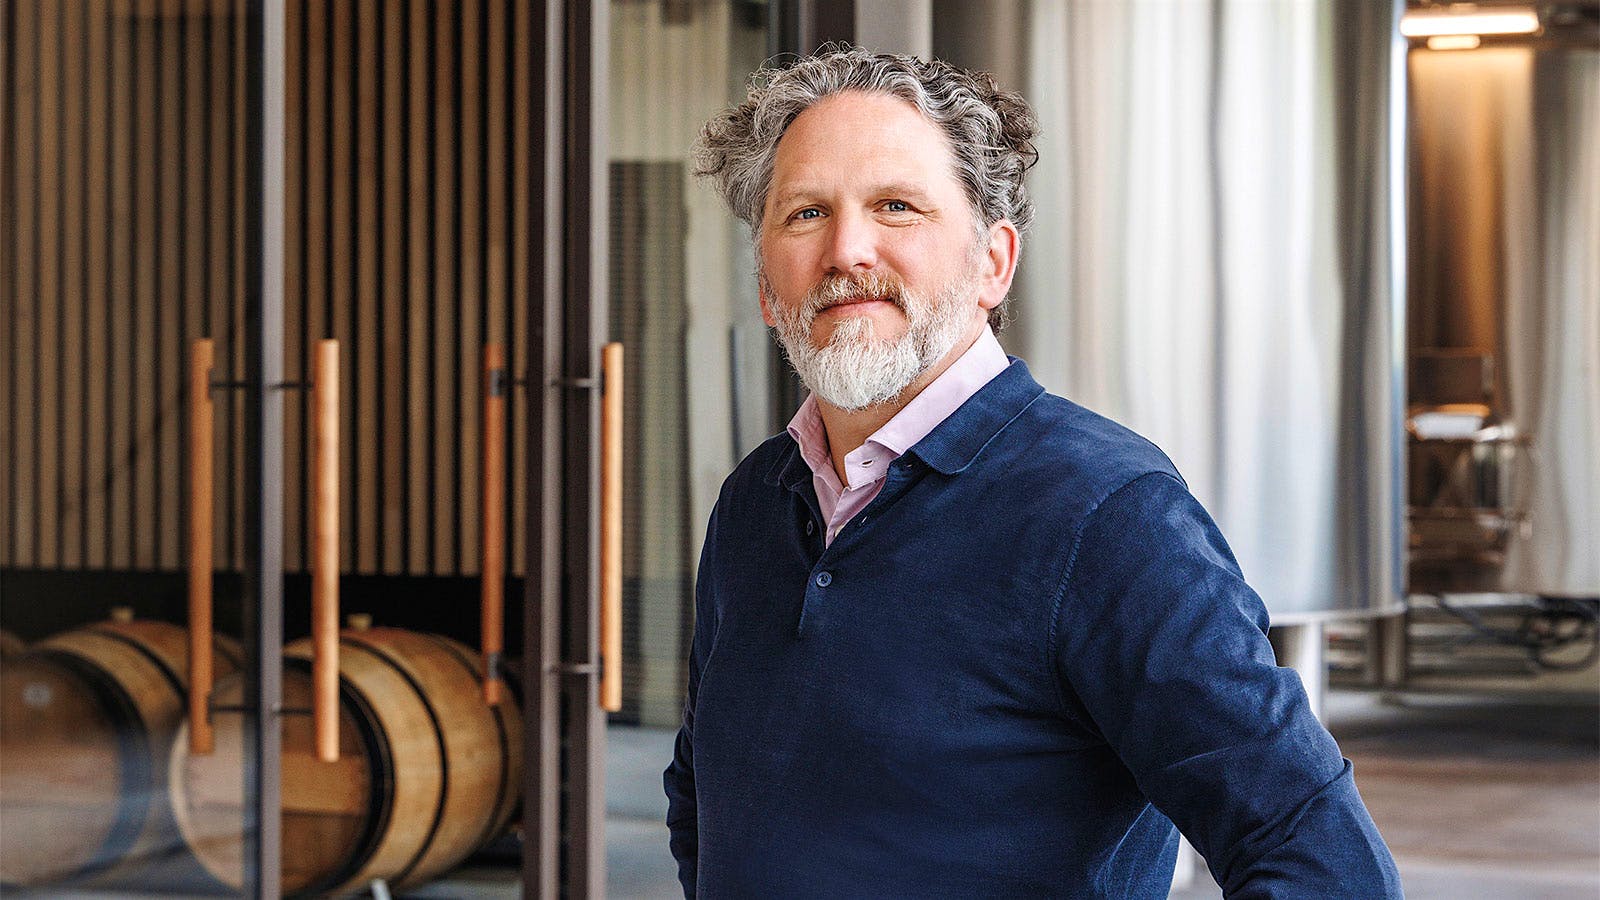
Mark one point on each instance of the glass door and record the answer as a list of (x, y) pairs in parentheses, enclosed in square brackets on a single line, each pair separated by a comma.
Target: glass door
[(138, 561)]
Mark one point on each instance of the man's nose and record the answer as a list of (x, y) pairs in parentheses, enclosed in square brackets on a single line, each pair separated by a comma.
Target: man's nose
[(852, 244)]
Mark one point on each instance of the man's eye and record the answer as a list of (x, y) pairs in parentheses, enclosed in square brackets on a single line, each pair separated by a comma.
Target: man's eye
[(808, 213), (897, 206)]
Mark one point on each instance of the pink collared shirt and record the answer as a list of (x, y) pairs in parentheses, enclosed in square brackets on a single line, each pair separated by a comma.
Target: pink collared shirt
[(865, 466)]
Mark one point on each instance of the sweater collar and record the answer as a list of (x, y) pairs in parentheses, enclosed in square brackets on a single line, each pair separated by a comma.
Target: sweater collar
[(953, 444)]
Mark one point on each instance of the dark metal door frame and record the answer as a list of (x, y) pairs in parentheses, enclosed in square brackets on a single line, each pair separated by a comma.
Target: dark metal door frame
[(564, 739), (564, 736), (262, 601)]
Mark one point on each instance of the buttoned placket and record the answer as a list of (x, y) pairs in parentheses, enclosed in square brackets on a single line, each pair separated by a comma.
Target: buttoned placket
[(822, 578)]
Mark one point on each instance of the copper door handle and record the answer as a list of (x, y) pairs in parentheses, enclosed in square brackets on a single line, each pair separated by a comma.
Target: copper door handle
[(493, 559), (611, 529), (325, 549), (202, 411)]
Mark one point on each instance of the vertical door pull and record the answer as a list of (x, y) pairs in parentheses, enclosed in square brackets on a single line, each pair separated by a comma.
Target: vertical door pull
[(325, 550), (493, 561), (202, 356), (611, 529)]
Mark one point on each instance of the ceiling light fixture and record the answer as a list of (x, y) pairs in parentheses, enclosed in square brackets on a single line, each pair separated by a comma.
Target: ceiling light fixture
[(1469, 18)]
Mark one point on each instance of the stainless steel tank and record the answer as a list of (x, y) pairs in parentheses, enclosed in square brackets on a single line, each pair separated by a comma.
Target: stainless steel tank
[(1504, 314)]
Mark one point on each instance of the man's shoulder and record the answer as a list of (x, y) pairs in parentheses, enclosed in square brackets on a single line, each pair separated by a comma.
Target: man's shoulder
[(1059, 442)]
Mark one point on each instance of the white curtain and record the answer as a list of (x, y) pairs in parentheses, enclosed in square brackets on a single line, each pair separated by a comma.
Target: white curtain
[(1211, 267)]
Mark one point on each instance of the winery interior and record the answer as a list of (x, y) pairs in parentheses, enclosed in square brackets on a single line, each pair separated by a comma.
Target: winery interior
[(370, 370)]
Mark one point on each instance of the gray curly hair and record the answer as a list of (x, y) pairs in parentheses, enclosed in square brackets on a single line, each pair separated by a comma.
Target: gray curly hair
[(991, 131)]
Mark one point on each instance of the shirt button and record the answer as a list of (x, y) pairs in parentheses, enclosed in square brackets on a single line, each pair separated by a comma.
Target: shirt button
[(824, 579)]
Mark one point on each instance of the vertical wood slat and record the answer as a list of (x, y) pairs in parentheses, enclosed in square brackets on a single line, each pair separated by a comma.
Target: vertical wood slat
[(364, 348), (119, 299), (445, 524), (237, 185), (168, 297), (116, 92), (7, 276), (97, 262), (523, 208), (216, 319), (8, 180), (146, 305), (497, 236), (318, 187), (47, 302), (395, 296), (469, 338), (70, 358), (341, 233), (419, 214), (294, 294), (196, 113), (25, 66)]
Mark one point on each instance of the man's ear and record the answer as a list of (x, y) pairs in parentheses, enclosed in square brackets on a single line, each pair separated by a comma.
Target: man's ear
[(999, 264), (766, 302)]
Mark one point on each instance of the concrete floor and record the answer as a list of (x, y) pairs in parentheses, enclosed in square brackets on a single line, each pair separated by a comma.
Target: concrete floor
[(1477, 799)]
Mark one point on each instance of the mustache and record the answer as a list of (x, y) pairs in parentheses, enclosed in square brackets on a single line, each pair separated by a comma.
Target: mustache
[(836, 289)]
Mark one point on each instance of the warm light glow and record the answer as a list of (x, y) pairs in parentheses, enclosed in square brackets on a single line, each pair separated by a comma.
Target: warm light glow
[(1464, 18), (1454, 42)]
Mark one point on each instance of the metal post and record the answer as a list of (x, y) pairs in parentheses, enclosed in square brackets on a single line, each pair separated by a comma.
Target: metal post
[(1390, 647), (583, 229), (262, 152), (1302, 647), (541, 608), (564, 793)]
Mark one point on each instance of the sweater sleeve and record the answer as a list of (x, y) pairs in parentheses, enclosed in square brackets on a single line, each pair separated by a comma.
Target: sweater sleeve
[(682, 806), (1161, 648)]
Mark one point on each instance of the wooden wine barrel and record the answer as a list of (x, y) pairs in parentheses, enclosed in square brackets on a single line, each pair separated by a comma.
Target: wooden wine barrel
[(427, 771), (87, 720), (10, 644)]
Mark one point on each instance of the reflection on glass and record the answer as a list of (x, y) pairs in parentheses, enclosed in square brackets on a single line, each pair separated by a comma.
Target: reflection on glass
[(121, 199), (425, 775), (683, 304)]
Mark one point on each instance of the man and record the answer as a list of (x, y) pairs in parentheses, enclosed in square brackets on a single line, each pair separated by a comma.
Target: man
[(955, 636)]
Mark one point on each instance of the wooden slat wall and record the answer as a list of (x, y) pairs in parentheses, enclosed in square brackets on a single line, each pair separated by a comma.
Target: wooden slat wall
[(110, 176), (410, 152)]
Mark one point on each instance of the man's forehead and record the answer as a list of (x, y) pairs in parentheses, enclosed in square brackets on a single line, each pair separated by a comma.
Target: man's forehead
[(877, 141), (858, 115)]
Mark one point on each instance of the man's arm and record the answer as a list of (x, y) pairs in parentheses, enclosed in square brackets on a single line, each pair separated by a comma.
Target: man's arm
[(1161, 647), (682, 807)]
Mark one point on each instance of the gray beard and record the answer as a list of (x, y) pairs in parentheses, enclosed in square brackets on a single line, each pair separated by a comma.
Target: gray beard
[(857, 370)]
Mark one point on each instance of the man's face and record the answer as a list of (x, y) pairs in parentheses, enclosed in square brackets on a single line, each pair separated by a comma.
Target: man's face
[(872, 266)]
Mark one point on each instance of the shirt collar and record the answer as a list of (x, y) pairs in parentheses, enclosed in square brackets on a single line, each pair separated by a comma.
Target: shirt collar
[(952, 443), (933, 404)]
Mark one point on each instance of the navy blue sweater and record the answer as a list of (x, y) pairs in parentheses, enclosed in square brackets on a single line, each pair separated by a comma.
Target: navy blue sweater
[(1008, 676)]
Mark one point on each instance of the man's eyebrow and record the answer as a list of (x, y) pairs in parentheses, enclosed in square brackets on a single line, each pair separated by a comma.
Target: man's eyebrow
[(788, 197), (900, 189)]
